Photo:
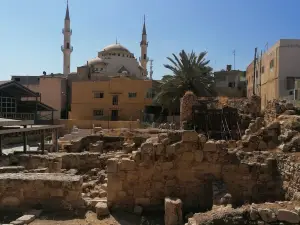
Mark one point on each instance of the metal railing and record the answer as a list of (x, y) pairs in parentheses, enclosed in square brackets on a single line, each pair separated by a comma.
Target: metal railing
[(18, 116)]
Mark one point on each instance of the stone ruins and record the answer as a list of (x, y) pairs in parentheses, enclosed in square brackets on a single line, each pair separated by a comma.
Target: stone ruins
[(180, 173)]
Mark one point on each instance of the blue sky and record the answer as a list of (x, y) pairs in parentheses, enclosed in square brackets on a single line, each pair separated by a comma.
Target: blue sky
[(31, 37)]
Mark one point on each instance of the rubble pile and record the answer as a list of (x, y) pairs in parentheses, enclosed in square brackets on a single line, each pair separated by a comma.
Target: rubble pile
[(267, 213), (278, 107)]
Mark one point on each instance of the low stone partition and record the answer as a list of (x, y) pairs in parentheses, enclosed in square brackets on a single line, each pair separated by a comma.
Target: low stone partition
[(83, 160), (183, 165), (49, 191), (30, 161)]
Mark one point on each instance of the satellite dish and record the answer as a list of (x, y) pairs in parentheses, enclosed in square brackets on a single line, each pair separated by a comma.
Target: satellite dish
[(44, 73)]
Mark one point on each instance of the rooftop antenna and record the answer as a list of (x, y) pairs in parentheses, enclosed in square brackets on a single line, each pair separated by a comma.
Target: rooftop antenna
[(233, 59), (116, 40), (151, 68)]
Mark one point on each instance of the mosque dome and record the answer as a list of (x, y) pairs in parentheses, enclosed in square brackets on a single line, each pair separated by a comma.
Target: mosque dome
[(96, 61), (115, 47)]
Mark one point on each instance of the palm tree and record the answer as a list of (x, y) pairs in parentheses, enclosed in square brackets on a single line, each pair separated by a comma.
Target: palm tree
[(191, 72)]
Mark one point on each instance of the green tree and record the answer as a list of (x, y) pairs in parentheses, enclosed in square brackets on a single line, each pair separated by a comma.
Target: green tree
[(190, 72)]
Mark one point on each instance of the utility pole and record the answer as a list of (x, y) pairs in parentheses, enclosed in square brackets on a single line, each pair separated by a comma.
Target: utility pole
[(234, 59), (254, 72)]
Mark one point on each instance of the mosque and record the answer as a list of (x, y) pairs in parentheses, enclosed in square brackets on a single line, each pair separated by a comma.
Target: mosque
[(112, 60)]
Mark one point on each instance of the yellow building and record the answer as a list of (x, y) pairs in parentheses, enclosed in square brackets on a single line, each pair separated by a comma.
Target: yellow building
[(119, 98)]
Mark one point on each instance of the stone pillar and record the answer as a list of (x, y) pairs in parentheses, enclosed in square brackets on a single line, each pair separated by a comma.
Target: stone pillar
[(173, 211), (186, 103), (54, 141)]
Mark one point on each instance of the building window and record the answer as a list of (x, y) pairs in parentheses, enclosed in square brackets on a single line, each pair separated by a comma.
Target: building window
[(150, 93), (17, 79), (290, 83), (8, 105), (262, 69), (68, 45), (132, 95), (115, 99), (271, 63), (291, 92), (145, 56), (98, 95), (98, 112)]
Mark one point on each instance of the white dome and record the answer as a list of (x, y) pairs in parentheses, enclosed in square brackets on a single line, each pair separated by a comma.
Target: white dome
[(115, 47), (96, 61)]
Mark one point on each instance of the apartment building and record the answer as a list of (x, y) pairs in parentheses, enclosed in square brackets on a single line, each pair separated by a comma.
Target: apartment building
[(276, 71)]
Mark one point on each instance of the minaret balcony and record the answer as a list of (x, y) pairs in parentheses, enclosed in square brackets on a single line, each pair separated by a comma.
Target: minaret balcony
[(66, 49), (67, 31), (142, 59)]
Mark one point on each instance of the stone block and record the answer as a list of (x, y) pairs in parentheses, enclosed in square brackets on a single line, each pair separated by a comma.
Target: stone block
[(158, 148), (147, 148), (189, 136), (101, 209), (26, 219), (210, 146), (267, 215), (136, 156), (187, 156), (288, 216), (199, 156), (112, 165), (171, 149), (167, 165), (127, 164), (173, 211), (202, 138)]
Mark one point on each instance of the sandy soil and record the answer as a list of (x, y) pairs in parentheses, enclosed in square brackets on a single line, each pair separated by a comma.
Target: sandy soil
[(90, 218)]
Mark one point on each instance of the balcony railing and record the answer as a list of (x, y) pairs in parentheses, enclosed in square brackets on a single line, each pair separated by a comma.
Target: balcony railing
[(18, 116), (63, 48), (68, 31)]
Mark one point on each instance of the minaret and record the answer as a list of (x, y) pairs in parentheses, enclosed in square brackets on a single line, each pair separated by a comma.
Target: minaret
[(144, 45), (67, 48)]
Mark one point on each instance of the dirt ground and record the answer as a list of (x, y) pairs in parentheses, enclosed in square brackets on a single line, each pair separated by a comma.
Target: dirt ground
[(90, 218)]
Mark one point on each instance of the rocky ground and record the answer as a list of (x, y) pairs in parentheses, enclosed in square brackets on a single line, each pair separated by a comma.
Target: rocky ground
[(90, 218)]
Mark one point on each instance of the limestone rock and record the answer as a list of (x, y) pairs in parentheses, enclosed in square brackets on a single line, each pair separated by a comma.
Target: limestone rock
[(101, 209), (267, 215), (210, 146), (173, 211), (288, 216), (254, 215), (189, 136)]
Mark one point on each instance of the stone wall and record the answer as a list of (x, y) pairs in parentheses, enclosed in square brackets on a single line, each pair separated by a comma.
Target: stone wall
[(290, 172), (57, 161), (83, 160), (46, 190), (183, 165)]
